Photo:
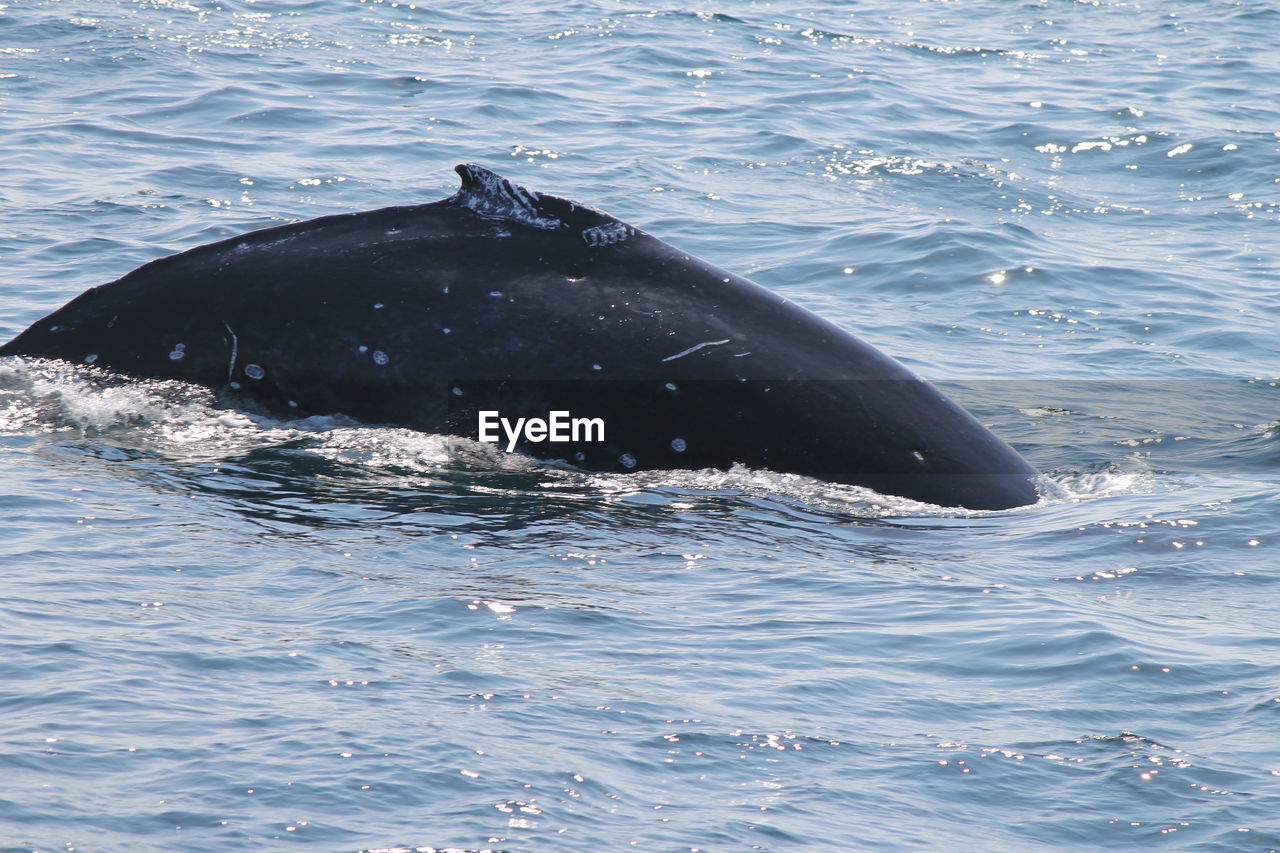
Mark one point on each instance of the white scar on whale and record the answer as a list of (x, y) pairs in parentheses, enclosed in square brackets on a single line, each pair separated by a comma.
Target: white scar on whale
[(695, 348)]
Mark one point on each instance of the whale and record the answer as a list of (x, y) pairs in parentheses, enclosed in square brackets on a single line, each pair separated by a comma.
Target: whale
[(501, 306)]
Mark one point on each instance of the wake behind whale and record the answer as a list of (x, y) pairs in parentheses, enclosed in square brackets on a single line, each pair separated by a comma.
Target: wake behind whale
[(501, 313)]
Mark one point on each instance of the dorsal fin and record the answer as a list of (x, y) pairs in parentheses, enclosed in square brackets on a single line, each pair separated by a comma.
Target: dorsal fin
[(494, 197)]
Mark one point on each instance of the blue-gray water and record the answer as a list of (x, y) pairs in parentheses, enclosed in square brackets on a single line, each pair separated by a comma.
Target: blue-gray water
[(224, 633)]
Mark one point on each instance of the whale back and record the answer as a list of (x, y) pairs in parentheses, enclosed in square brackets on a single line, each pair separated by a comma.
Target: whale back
[(501, 299)]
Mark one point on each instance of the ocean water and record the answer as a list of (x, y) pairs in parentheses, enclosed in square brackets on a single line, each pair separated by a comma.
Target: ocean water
[(226, 632)]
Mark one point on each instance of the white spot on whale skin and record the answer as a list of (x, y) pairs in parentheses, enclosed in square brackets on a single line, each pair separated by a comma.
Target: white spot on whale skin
[(91, 358), (178, 352), (377, 305), (380, 357), (446, 330), (678, 445), (254, 371), (362, 348), (457, 392), (495, 292), (234, 386), (596, 367), (695, 348), (627, 460), (670, 386), (918, 455)]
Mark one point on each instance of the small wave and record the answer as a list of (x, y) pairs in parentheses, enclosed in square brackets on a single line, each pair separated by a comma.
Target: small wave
[(51, 396), (172, 418), (1111, 481), (686, 489), (188, 423)]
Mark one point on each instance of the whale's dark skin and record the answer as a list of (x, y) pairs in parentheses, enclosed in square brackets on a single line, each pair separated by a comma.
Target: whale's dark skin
[(498, 298)]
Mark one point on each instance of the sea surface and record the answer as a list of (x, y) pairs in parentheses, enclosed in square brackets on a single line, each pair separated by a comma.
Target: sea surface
[(225, 632)]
